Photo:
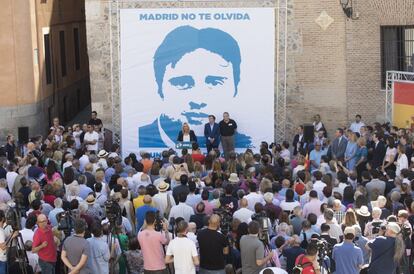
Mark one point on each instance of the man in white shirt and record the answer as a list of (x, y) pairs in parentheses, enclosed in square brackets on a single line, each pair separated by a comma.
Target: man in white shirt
[(27, 232), (182, 252), (182, 209), (253, 197), (356, 126), (91, 139), (318, 185), (162, 200), (11, 176), (243, 213)]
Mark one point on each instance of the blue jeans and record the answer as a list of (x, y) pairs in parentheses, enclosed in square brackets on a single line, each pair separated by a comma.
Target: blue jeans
[(206, 271), (47, 267), (3, 267)]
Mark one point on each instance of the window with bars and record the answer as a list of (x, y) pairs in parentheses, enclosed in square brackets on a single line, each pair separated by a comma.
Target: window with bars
[(397, 49)]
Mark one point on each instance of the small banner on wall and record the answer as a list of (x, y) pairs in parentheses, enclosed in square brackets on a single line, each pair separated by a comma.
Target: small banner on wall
[(403, 107), (182, 65)]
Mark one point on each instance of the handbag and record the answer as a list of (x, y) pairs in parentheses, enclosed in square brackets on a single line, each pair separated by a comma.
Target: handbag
[(168, 208)]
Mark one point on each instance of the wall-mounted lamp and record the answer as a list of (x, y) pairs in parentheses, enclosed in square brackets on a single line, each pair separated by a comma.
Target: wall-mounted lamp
[(348, 8)]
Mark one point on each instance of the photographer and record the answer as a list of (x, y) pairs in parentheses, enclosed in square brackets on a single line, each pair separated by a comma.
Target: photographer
[(151, 242), (387, 250), (373, 228), (406, 232), (308, 261), (213, 247), (348, 257), (253, 251)]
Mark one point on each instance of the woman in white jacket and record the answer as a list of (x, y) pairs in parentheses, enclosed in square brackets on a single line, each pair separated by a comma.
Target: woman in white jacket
[(402, 160)]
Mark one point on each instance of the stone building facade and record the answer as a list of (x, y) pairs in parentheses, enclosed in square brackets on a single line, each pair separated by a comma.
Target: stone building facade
[(44, 71), (332, 64)]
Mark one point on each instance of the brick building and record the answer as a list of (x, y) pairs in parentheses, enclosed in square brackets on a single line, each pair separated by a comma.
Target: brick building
[(45, 69), (334, 64)]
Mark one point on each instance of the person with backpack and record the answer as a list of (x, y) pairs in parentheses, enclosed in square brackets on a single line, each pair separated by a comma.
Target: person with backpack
[(292, 252), (307, 263)]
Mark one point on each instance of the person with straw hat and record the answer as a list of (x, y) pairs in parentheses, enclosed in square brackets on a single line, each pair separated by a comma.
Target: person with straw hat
[(163, 200)]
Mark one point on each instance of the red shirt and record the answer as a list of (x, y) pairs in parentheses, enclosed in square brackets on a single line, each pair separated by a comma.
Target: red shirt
[(50, 199), (198, 158), (48, 253), (307, 270)]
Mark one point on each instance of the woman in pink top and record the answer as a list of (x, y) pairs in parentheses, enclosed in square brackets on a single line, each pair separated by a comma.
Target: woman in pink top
[(51, 173)]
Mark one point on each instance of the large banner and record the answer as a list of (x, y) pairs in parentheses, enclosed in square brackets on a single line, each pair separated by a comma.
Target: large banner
[(403, 107), (181, 65)]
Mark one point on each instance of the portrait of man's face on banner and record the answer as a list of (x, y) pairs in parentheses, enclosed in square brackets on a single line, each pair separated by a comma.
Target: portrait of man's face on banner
[(194, 69), (181, 71)]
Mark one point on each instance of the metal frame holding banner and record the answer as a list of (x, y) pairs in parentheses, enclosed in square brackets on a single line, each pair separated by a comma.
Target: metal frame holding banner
[(281, 34), (392, 77)]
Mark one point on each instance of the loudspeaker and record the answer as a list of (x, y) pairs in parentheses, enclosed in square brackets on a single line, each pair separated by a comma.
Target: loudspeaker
[(308, 134), (23, 135)]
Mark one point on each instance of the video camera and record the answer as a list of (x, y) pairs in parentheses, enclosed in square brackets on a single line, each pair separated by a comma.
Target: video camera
[(323, 248), (262, 219), (158, 221), (405, 231), (226, 219), (377, 227), (113, 212), (14, 213), (65, 221)]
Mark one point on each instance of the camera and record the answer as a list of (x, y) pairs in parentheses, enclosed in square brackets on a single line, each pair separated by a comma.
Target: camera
[(13, 216), (65, 222), (322, 246), (376, 227), (113, 212), (405, 231), (226, 219), (262, 219), (158, 221), (14, 213)]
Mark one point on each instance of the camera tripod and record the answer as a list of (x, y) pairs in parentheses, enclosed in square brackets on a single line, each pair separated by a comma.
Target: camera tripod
[(113, 234), (20, 255)]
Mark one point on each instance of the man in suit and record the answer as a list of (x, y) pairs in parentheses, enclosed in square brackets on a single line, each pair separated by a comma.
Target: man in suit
[(339, 145), (212, 133), (298, 140), (378, 150)]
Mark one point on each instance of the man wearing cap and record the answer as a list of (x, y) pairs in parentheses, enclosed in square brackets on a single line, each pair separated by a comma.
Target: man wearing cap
[(387, 250), (348, 257)]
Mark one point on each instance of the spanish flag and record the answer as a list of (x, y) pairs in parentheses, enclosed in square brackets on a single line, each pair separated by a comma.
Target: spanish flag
[(403, 108)]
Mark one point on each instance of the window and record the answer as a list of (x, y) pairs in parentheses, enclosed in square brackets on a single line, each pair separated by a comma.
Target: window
[(77, 53), (48, 63), (62, 52), (397, 49)]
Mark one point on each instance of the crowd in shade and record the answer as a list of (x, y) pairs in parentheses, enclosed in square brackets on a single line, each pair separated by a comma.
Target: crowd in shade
[(336, 203)]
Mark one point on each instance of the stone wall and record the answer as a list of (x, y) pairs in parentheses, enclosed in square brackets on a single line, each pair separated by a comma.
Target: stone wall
[(332, 62)]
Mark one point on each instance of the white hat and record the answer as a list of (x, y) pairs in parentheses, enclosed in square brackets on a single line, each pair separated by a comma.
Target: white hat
[(363, 211), (163, 186), (268, 197), (349, 230), (394, 227), (103, 153), (234, 178)]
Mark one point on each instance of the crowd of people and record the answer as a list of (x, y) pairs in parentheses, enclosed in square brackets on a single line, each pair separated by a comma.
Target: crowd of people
[(333, 204)]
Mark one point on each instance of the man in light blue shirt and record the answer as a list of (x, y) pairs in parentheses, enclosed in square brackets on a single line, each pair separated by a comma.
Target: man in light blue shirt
[(98, 261), (315, 157), (347, 256), (58, 209)]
